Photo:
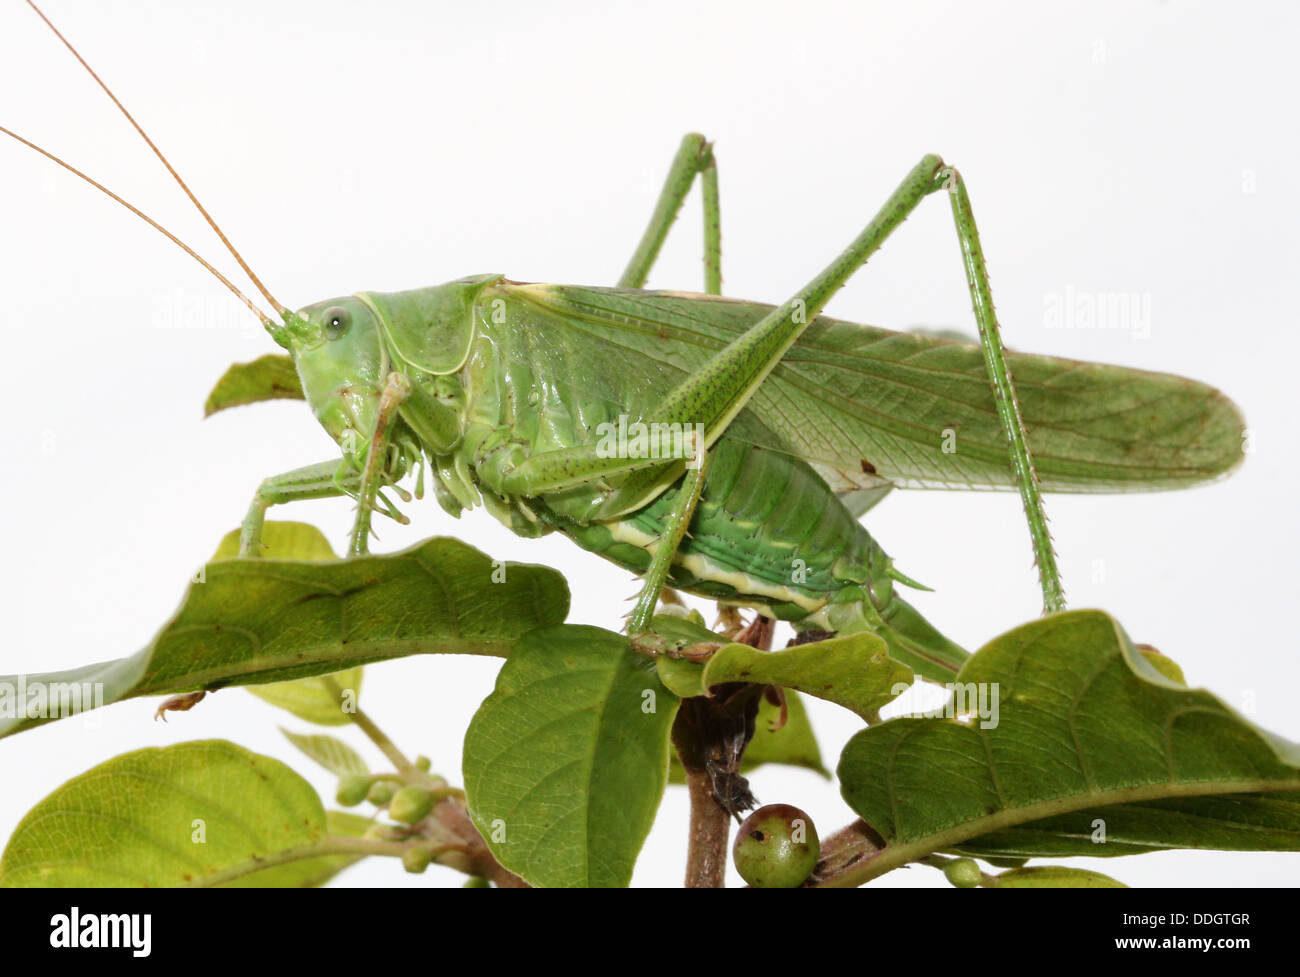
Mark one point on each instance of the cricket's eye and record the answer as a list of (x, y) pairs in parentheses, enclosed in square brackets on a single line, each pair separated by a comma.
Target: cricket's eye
[(336, 320)]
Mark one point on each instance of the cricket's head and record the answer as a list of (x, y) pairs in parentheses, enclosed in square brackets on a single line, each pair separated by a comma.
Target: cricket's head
[(337, 347), (345, 348)]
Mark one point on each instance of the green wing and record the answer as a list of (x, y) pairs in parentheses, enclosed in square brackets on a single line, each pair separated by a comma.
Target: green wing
[(868, 407)]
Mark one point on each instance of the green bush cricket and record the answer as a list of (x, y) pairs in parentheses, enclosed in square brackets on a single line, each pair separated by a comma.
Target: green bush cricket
[(503, 389)]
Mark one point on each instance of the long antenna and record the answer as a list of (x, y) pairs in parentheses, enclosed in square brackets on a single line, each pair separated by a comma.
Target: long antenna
[(267, 321), (275, 304)]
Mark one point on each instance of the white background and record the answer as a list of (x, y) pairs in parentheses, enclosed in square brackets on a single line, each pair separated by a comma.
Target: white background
[(1108, 148)]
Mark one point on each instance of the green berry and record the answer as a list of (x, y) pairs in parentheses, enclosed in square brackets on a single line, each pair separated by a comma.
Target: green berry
[(415, 860), (477, 882), (423, 763), (381, 792), (776, 847), (352, 790), (964, 873), (410, 804)]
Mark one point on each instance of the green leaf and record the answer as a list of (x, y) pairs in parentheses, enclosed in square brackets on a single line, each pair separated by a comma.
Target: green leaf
[(316, 700), (270, 377), (282, 540), (308, 873), (325, 701), (1238, 822), (1163, 664), (684, 678), (1053, 877), (163, 817), (566, 761), (329, 751), (257, 620), (1087, 729), (854, 671)]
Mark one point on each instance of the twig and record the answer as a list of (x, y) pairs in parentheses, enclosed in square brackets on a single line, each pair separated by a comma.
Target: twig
[(710, 734), (845, 849), (479, 860), (474, 856), (706, 860)]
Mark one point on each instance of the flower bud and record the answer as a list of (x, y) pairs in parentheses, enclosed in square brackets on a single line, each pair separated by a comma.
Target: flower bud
[(415, 860), (964, 873), (410, 804), (352, 790)]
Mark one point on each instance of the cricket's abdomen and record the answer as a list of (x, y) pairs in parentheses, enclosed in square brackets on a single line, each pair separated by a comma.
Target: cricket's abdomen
[(767, 531)]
